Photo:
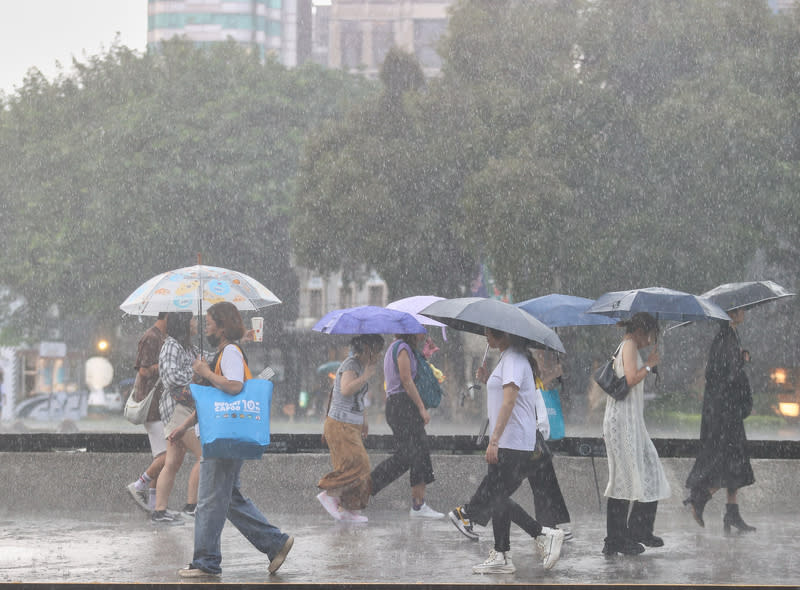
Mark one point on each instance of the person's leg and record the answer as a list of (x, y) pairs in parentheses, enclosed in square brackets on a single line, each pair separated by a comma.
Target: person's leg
[(732, 517), (549, 506), (250, 521), (166, 479), (641, 523), (192, 443), (617, 539), (400, 461), (217, 477)]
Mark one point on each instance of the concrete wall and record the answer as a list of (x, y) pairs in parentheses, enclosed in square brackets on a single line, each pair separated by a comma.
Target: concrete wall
[(66, 483)]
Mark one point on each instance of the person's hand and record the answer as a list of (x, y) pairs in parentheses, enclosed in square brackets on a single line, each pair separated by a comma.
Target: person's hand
[(482, 374), (544, 428), (369, 371), (176, 435), (426, 417), (746, 356), (200, 366), (491, 453), (249, 336), (653, 359)]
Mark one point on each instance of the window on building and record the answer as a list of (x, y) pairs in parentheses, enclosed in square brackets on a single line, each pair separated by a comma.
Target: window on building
[(375, 295), (426, 35), (346, 296), (315, 303), (382, 41), (352, 44)]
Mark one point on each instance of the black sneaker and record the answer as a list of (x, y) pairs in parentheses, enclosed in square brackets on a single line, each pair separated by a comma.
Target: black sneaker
[(462, 523), (189, 510), (165, 517)]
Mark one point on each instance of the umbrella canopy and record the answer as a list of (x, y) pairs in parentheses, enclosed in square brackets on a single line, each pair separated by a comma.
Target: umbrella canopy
[(474, 314), (414, 305), (329, 367), (368, 319), (181, 290), (661, 303), (731, 296), (559, 311)]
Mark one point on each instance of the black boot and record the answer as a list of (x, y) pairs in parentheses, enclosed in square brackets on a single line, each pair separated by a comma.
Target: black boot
[(641, 523), (618, 540), (697, 502), (733, 518)]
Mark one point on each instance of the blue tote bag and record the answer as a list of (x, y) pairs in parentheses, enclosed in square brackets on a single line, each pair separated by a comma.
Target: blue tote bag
[(554, 414), (234, 426)]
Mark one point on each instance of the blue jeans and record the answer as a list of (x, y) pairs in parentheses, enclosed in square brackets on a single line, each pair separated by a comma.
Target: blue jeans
[(219, 498)]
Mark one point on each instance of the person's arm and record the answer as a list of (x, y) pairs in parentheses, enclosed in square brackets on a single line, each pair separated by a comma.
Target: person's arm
[(404, 370), (542, 419), (221, 382), (510, 392), (634, 374), (174, 373), (351, 383)]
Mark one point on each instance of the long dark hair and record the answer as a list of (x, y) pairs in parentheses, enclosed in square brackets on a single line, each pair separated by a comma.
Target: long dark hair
[(179, 327), (639, 321)]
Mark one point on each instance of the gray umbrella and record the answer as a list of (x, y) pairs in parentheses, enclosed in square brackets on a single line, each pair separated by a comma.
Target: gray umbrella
[(661, 303), (731, 296), (474, 314)]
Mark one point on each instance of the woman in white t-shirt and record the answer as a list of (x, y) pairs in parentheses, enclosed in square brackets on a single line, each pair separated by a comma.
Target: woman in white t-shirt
[(511, 402)]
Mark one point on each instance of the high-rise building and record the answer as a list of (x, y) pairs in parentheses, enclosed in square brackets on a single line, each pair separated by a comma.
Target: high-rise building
[(269, 27)]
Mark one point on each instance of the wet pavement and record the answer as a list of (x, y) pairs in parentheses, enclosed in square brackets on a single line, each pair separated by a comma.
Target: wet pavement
[(393, 549)]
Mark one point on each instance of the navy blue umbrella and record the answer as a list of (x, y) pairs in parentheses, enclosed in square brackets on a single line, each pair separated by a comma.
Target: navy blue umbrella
[(661, 303), (559, 311), (368, 319)]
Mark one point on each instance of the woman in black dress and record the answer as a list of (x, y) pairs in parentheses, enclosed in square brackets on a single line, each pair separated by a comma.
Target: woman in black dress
[(723, 461)]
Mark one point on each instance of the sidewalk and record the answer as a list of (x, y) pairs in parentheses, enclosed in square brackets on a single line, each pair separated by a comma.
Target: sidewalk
[(393, 549)]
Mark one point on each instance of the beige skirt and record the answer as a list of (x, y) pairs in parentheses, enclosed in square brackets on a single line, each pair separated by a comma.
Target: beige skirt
[(179, 416)]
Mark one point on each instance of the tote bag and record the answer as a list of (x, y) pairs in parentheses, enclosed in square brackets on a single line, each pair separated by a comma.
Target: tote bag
[(136, 412), (234, 426), (554, 414)]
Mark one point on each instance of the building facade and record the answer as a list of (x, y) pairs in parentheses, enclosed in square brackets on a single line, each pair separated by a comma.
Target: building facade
[(269, 27), (361, 32)]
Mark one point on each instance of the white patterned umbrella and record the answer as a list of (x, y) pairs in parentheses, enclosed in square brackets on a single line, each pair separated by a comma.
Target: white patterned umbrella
[(180, 290)]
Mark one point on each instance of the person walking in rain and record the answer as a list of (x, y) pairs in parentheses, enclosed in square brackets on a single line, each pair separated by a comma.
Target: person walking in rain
[(511, 400), (407, 416), (635, 473), (723, 461), (346, 489), (143, 490)]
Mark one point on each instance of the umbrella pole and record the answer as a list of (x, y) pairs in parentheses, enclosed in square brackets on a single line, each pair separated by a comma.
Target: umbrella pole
[(200, 330)]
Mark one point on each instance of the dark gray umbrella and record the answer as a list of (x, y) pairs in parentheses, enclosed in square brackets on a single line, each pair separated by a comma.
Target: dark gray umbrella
[(660, 302), (731, 296), (474, 314)]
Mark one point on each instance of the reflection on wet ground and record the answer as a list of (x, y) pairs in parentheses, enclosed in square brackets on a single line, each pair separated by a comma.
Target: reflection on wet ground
[(391, 548)]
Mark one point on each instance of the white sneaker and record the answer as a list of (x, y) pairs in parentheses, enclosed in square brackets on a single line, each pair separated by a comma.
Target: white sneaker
[(352, 515), (549, 544), (498, 563), (424, 511), (330, 504), (142, 498)]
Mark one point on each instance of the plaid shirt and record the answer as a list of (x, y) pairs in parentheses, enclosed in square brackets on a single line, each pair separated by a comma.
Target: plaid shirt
[(175, 368)]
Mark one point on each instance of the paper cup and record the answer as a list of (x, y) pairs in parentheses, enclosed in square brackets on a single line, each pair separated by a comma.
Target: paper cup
[(258, 329)]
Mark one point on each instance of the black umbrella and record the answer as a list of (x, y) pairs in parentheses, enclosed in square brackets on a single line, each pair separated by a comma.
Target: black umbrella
[(731, 296), (475, 314)]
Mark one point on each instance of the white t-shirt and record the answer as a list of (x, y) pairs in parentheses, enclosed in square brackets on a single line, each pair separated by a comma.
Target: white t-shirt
[(232, 363), (520, 431)]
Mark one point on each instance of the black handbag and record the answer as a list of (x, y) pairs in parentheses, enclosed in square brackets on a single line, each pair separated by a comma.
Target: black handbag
[(606, 378)]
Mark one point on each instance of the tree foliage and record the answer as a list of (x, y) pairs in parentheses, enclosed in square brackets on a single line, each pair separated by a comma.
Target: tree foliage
[(575, 146), (135, 163)]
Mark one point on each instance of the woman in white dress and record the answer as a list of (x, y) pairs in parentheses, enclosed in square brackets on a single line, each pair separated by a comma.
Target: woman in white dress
[(635, 473)]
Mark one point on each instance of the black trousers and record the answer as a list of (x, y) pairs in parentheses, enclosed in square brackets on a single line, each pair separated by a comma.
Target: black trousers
[(638, 525), (493, 500), (411, 446)]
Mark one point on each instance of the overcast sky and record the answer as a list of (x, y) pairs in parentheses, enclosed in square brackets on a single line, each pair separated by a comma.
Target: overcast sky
[(39, 33)]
